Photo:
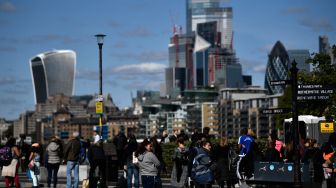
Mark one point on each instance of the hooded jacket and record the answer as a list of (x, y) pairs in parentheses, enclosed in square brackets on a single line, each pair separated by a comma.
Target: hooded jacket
[(148, 164), (54, 151)]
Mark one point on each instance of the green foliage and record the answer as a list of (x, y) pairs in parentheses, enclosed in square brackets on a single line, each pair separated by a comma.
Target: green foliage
[(167, 152)]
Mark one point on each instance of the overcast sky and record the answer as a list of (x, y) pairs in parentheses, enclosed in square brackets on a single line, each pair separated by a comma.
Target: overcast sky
[(135, 51)]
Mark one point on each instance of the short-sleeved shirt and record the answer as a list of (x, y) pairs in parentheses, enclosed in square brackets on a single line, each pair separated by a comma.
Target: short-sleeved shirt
[(245, 141)]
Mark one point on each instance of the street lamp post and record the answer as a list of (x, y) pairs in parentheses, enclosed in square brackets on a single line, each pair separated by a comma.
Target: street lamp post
[(100, 41), (297, 167)]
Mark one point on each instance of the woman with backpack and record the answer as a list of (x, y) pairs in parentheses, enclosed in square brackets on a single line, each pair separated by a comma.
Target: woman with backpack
[(180, 169), (54, 153), (148, 164), (10, 171)]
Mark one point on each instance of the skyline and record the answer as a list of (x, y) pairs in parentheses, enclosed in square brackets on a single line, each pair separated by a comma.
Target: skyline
[(135, 50)]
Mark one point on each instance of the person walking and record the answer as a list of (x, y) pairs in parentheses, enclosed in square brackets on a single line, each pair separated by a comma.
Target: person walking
[(72, 155), (179, 173), (278, 144), (120, 142), (24, 148), (148, 164), (203, 166), (132, 163), (10, 171), (245, 157), (96, 156), (55, 152), (35, 163), (223, 171)]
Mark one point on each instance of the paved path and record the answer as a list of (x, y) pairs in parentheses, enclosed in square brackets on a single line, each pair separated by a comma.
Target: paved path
[(26, 183)]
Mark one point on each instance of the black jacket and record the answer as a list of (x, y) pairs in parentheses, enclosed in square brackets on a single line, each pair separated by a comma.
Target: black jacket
[(72, 151), (96, 152)]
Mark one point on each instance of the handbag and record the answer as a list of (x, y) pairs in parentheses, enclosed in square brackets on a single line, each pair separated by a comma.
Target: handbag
[(31, 165), (10, 170), (28, 175), (85, 183), (135, 159)]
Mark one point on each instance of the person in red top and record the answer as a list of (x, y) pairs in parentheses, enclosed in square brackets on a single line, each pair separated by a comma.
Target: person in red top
[(278, 143)]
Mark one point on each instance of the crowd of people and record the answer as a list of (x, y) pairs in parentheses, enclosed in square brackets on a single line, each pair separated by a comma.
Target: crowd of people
[(197, 162)]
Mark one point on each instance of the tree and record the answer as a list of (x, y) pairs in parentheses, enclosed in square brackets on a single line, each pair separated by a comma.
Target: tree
[(323, 73)]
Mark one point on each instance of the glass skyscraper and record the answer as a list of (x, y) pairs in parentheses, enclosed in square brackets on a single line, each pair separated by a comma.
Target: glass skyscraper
[(300, 57), (202, 11), (53, 73), (277, 68)]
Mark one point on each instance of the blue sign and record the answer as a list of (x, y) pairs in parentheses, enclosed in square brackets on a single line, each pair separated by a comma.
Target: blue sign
[(64, 134), (104, 131)]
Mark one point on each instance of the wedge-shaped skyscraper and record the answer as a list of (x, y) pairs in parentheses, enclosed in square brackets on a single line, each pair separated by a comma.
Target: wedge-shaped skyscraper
[(53, 73)]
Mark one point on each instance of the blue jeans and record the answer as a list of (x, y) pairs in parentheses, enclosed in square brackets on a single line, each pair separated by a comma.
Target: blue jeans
[(148, 181), (132, 170), (72, 165), (35, 174)]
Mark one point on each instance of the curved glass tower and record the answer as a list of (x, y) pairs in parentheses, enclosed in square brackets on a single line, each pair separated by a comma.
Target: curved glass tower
[(277, 68), (53, 73)]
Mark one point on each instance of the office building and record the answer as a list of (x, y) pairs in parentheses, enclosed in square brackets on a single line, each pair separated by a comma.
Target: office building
[(179, 74), (224, 69), (300, 56), (324, 48), (277, 68), (203, 11), (53, 73)]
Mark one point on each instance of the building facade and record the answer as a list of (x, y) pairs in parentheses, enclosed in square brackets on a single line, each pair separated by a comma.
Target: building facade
[(242, 108), (210, 117), (53, 73)]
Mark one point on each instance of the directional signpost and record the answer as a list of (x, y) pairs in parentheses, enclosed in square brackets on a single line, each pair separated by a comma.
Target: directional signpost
[(280, 82), (276, 111), (314, 92)]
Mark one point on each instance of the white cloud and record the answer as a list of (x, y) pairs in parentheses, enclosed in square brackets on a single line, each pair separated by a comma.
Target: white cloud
[(253, 66), (141, 68)]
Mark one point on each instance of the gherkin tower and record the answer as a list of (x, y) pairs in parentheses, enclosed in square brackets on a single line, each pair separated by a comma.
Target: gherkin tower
[(277, 68)]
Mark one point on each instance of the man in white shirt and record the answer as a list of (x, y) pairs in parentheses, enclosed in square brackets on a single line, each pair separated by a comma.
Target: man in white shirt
[(96, 137)]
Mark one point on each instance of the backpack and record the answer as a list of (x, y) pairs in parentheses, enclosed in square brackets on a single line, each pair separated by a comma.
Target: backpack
[(201, 173), (5, 156), (82, 153)]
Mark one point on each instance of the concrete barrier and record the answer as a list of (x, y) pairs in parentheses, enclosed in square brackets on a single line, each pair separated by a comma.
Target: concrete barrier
[(83, 172)]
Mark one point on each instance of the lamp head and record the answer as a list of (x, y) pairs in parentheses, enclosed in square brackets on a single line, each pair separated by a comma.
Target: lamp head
[(100, 38)]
